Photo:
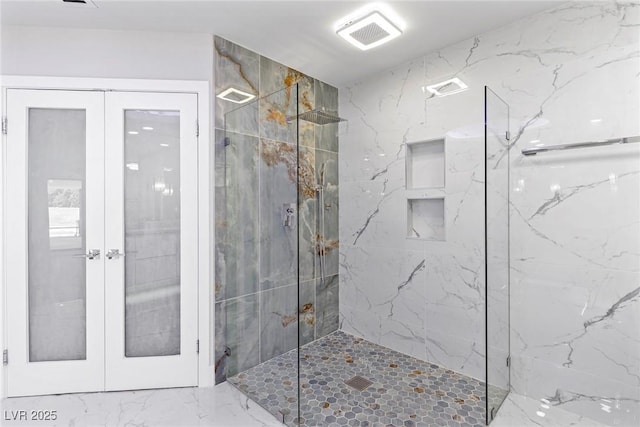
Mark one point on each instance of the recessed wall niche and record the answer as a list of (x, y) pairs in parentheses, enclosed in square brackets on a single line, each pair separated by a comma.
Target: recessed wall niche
[(425, 219), (425, 164), (425, 170)]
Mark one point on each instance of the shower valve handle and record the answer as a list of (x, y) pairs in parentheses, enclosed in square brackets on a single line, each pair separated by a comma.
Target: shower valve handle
[(288, 215)]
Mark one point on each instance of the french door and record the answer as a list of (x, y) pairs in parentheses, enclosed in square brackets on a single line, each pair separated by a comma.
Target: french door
[(101, 224)]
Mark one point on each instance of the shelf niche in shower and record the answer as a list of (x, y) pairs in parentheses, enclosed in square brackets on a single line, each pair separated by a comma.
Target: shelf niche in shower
[(425, 219), (425, 164)]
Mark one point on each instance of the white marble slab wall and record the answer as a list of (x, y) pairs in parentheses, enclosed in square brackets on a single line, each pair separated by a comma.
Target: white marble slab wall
[(259, 168), (569, 74)]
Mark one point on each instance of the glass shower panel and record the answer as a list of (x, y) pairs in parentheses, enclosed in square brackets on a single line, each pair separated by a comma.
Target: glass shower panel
[(497, 250), (152, 232), (56, 215), (257, 287)]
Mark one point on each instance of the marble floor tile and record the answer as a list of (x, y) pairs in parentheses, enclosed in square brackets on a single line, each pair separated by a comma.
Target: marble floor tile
[(222, 406), (518, 410)]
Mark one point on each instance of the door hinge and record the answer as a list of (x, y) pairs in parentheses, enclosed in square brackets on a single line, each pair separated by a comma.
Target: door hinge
[(507, 135), (4, 125), (198, 346), (5, 357), (508, 361), (197, 129)]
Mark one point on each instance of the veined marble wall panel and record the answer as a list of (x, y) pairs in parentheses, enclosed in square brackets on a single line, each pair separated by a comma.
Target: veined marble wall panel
[(327, 310), (569, 74), (259, 168), (238, 243), (388, 288), (278, 243), (576, 280), (279, 105), (374, 212), (279, 321), (326, 136), (239, 68), (237, 335)]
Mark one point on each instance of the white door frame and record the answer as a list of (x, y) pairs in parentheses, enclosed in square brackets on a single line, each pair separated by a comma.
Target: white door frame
[(205, 198)]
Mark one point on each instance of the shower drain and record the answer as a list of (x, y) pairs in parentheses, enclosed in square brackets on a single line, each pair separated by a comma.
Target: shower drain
[(358, 382)]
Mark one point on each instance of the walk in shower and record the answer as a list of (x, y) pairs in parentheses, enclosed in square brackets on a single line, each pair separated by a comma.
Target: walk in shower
[(283, 344)]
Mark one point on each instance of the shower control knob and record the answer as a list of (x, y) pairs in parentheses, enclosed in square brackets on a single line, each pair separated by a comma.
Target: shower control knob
[(288, 215)]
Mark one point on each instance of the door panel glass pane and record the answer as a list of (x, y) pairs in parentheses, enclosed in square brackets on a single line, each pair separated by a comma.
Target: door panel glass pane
[(152, 233), (497, 246), (56, 242), (257, 227)]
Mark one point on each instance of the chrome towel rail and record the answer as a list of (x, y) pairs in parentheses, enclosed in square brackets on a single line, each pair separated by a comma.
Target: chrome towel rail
[(536, 150)]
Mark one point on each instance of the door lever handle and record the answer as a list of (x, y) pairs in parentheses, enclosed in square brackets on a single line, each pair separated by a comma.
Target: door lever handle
[(92, 254), (114, 253)]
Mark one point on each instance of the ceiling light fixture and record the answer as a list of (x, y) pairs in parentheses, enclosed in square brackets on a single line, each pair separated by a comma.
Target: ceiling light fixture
[(447, 87), (236, 96), (370, 27)]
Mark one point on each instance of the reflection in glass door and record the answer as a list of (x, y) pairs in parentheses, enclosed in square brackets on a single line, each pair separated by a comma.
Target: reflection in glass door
[(55, 273), (152, 233), (497, 250)]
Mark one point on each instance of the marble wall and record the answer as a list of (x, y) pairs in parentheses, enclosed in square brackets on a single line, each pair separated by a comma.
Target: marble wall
[(259, 167), (569, 75)]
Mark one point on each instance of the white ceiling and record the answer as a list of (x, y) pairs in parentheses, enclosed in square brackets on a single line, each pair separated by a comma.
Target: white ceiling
[(297, 33)]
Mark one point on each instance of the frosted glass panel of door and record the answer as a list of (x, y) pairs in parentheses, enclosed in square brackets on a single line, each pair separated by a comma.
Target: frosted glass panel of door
[(55, 216), (152, 232)]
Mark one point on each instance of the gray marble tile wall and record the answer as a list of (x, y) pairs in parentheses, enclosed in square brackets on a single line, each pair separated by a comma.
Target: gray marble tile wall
[(259, 310), (570, 74)]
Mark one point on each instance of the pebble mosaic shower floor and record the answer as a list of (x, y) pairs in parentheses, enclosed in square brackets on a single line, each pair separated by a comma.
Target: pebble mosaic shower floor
[(404, 392)]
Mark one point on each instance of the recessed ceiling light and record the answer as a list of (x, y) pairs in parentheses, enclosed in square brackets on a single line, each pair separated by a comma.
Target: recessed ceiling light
[(164, 145), (447, 87), (133, 166), (147, 128), (236, 96), (133, 132), (370, 29)]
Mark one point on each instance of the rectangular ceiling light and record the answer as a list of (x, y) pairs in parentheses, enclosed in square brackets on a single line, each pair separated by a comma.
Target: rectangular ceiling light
[(369, 31), (236, 96), (447, 87)]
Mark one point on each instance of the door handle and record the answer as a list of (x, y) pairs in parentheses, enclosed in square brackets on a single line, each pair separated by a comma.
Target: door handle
[(114, 253), (92, 254)]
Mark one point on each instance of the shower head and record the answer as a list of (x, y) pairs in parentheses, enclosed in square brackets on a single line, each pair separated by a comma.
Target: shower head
[(320, 117)]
